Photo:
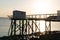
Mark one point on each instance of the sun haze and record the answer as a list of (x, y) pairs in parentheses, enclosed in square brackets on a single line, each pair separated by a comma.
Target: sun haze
[(30, 6)]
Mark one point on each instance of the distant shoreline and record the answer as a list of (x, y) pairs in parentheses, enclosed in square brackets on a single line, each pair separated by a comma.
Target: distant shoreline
[(4, 18)]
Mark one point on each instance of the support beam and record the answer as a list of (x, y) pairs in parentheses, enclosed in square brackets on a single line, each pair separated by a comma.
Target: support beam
[(14, 27), (11, 28), (22, 29)]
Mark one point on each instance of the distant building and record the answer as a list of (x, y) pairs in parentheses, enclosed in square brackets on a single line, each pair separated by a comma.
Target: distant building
[(58, 13), (19, 14)]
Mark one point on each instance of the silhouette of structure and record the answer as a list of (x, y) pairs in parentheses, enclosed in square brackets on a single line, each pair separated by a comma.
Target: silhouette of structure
[(27, 26)]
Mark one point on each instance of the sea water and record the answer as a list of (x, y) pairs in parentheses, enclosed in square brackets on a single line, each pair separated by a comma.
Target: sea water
[(4, 26)]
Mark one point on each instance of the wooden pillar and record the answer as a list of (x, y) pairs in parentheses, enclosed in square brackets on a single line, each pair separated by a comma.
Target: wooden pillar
[(14, 27), (49, 27), (26, 27), (22, 29), (11, 28)]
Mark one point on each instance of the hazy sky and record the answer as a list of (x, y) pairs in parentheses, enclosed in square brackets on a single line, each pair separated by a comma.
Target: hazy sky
[(30, 6)]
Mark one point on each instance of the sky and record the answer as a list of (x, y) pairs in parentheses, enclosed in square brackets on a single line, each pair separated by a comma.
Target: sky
[(30, 6)]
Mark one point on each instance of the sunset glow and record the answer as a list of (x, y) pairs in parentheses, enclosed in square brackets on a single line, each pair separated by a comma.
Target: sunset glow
[(42, 26), (41, 7)]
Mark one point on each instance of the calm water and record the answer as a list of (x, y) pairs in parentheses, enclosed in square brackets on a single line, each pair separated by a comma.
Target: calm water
[(5, 24)]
